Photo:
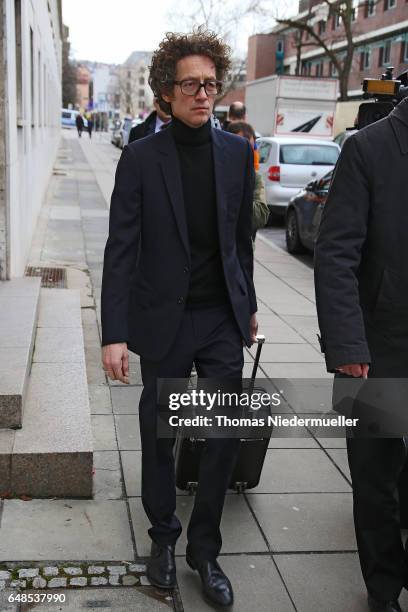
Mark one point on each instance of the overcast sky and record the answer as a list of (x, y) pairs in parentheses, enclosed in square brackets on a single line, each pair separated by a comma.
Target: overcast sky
[(109, 30)]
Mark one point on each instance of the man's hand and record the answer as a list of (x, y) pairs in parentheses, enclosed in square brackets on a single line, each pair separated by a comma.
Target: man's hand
[(253, 327), (115, 359), (357, 370)]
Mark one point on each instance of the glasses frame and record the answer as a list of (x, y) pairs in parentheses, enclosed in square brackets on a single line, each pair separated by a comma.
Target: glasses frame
[(200, 85)]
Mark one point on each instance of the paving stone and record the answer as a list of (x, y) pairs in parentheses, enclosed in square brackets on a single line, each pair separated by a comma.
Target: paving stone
[(96, 569), (266, 592), (303, 470), (99, 399), (95, 374), (59, 308), (99, 581), (18, 584), (306, 522), (4, 575), (129, 580), (324, 582), (80, 582), (73, 571), (236, 512), (138, 568), (56, 583), (72, 530), (118, 570), (281, 353), (114, 580), (132, 472), (50, 571), (128, 432), (30, 572), (144, 581), (103, 431), (125, 400), (39, 583), (296, 370)]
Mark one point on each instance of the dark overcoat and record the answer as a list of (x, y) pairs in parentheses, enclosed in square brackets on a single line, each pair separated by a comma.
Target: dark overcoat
[(147, 260), (361, 256)]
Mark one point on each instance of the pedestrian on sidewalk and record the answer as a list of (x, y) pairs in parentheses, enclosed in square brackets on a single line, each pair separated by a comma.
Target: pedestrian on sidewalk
[(177, 286), (79, 122), (156, 121), (90, 126), (236, 113), (260, 211), (362, 304)]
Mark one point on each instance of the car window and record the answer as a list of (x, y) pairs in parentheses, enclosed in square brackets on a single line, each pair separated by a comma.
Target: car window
[(264, 150), (66, 115), (304, 154)]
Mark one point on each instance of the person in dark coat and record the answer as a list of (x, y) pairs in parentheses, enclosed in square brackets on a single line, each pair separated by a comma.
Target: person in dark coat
[(156, 121), (361, 279), (177, 287), (90, 126), (79, 122)]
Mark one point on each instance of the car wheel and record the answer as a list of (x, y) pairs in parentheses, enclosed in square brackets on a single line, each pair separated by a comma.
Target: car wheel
[(274, 219), (293, 241)]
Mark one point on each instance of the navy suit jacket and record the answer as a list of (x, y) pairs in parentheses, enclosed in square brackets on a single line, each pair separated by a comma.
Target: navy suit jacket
[(146, 268)]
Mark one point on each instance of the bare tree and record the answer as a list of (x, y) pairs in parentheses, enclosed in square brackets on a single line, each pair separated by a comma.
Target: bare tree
[(344, 12), (227, 18), (69, 73)]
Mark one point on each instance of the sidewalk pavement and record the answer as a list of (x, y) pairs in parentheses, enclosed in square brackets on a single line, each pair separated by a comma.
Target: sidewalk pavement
[(288, 544)]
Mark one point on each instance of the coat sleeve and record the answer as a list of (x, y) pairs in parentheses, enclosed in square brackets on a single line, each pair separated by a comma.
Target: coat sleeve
[(244, 230), (121, 249), (338, 251), (260, 212)]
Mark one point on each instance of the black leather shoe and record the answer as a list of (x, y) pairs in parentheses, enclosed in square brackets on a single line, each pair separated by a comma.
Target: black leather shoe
[(216, 586), (380, 606), (161, 567)]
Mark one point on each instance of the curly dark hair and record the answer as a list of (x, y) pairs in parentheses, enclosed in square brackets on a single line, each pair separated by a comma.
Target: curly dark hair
[(176, 46)]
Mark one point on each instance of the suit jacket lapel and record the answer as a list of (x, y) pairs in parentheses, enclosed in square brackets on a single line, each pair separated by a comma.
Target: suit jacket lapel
[(170, 166), (219, 173)]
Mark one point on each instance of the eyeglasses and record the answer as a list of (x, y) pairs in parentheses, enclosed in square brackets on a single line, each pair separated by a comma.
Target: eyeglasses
[(191, 87)]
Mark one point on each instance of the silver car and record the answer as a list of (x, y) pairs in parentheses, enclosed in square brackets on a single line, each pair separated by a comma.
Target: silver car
[(289, 163)]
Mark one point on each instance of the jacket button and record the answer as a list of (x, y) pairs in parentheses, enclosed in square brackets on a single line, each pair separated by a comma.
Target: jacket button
[(180, 300), (186, 269)]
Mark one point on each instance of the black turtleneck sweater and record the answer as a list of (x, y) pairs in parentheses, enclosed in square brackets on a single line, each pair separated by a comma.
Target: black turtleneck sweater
[(207, 283)]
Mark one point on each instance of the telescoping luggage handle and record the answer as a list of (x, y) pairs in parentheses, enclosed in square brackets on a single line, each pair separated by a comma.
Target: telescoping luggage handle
[(260, 339)]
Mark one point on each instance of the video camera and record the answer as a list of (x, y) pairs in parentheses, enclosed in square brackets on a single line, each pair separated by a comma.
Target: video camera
[(386, 91)]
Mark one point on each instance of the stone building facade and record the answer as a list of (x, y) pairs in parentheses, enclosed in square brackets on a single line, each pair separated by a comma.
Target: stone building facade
[(30, 120)]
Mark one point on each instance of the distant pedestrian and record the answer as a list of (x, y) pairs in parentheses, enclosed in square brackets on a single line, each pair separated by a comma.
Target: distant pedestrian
[(90, 126), (79, 122), (260, 210), (236, 112)]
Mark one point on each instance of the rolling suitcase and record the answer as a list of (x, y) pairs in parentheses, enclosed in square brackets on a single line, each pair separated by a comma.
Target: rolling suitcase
[(251, 456)]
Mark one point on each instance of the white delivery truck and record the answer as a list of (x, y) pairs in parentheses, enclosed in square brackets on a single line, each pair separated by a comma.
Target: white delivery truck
[(292, 106)]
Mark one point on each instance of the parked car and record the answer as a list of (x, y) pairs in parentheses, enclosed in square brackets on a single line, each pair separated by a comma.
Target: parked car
[(115, 137), (126, 126), (68, 117), (341, 138), (289, 163), (304, 213)]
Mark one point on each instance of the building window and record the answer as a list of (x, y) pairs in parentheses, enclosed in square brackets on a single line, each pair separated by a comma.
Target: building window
[(384, 57), (365, 59), (141, 104), (280, 46), (321, 27), (404, 52), (369, 9), (141, 93), (319, 69), (333, 70), (141, 81), (19, 72), (389, 4), (306, 68), (336, 23), (129, 74)]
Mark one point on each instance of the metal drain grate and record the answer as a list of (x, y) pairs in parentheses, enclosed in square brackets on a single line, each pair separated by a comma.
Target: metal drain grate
[(52, 278)]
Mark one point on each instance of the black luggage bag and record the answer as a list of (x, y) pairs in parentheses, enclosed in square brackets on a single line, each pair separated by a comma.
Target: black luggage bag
[(251, 456)]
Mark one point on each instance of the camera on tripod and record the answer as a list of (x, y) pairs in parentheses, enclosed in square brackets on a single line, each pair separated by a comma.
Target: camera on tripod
[(387, 93)]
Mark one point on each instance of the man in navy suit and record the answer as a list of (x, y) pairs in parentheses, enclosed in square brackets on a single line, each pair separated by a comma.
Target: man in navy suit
[(177, 286)]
